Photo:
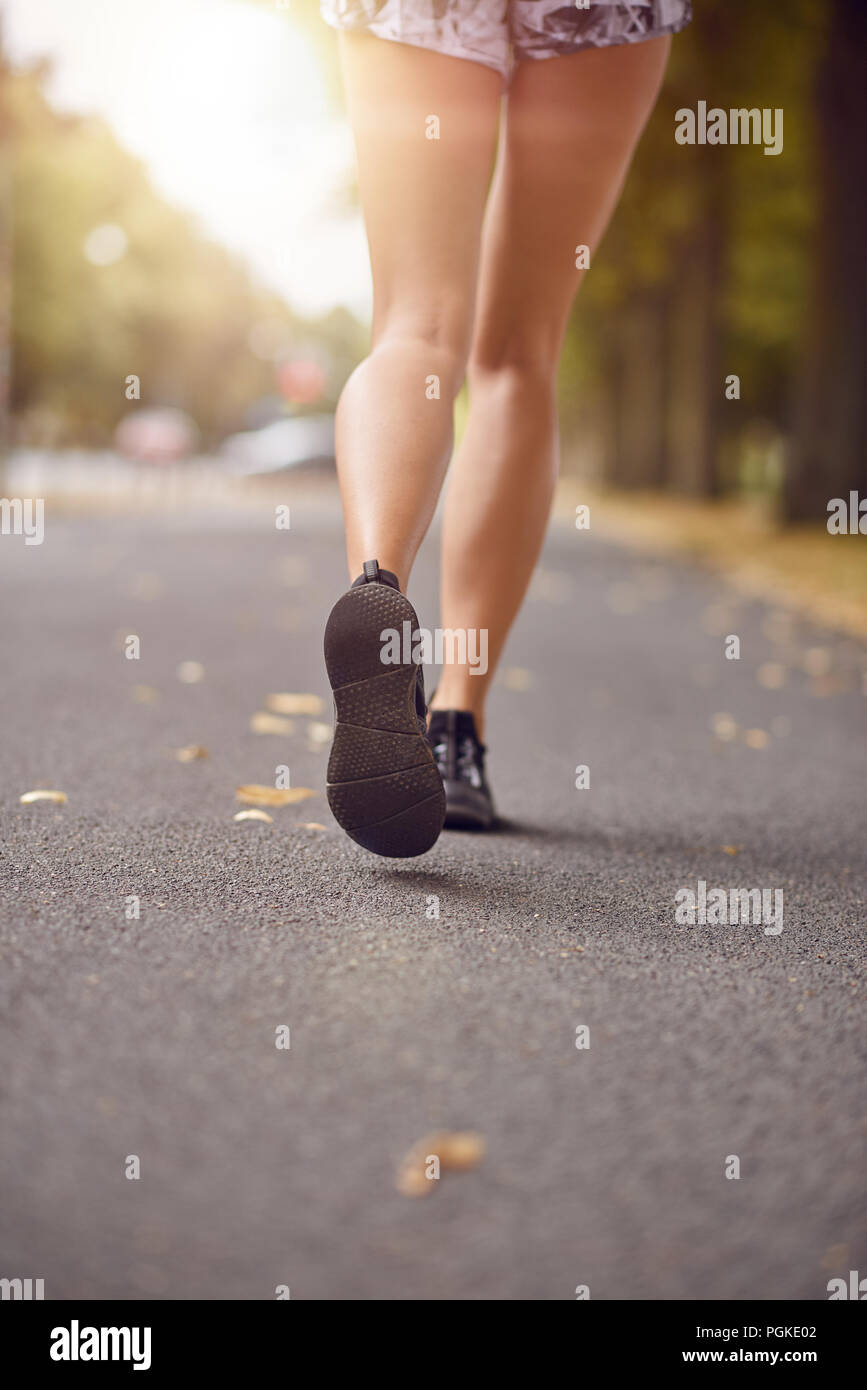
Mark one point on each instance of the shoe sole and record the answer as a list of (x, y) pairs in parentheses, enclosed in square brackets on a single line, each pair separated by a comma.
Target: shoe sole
[(383, 785)]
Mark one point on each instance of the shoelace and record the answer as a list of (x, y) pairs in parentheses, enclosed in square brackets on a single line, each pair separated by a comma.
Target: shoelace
[(464, 764)]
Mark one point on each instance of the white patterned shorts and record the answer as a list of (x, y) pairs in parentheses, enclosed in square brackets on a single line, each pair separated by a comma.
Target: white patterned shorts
[(500, 33)]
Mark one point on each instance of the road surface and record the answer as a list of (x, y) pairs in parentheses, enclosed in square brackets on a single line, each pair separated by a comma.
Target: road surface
[(605, 1166)]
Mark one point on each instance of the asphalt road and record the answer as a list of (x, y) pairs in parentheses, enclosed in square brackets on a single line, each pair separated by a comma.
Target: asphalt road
[(604, 1166)]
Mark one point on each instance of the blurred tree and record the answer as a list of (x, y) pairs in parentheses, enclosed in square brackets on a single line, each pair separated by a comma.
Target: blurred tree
[(828, 456), (703, 271), (710, 261), (5, 252), (174, 309)]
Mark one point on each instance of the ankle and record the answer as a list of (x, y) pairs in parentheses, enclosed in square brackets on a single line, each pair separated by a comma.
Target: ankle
[(443, 699), (393, 564)]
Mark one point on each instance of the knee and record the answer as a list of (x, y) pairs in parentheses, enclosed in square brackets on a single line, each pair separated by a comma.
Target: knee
[(524, 364), (437, 333), (528, 352)]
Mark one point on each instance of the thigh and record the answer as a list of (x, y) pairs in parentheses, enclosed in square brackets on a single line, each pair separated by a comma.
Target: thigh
[(425, 127), (570, 128)]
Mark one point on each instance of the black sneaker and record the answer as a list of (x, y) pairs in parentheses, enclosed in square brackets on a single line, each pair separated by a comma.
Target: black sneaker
[(460, 757), (383, 785)]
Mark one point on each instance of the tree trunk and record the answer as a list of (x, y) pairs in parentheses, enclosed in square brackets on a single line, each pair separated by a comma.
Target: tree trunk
[(640, 418), (828, 455), (696, 379)]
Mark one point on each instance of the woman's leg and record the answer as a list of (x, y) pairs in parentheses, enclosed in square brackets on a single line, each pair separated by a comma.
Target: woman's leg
[(570, 129), (423, 201)]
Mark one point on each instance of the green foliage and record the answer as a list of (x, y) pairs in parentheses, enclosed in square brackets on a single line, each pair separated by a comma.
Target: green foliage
[(761, 209), (706, 269), (176, 310)]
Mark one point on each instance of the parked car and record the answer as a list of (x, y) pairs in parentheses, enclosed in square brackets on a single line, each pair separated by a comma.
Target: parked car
[(289, 443), (157, 434)]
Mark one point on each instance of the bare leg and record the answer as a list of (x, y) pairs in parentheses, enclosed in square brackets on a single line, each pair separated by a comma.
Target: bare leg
[(571, 126), (423, 202)]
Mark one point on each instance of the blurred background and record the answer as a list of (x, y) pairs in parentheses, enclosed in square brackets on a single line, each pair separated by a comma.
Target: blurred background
[(184, 275), (184, 289)]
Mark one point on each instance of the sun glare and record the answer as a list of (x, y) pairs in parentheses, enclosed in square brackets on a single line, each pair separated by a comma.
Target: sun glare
[(224, 102)]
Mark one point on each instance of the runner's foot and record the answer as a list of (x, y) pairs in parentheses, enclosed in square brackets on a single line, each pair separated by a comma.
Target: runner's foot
[(460, 757), (384, 788)]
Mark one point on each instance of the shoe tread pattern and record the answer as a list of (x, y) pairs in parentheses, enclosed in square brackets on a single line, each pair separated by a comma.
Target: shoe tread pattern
[(384, 788)]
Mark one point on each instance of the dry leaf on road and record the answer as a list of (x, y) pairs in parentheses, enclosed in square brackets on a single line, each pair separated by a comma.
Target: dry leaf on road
[(724, 727), (294, 704), (191, 753), (191, 672), (756, 738), (320, 734), (457, 1150), (41, 795), (254, 815), (255, 795), (264, 723), (517, 678)]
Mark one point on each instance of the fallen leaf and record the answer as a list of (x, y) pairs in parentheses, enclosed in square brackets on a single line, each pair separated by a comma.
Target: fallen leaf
[(457, 1150), (729, 849), (551, 587), (191, 753), (460, 1150), (293, 570), (254, 815), (319, 733), (191, 672), (772, 675), (312, 825), (835, 1257), (828, 685), (817, 661), (255, 795), (41, 795), (263, 723), (294, 704), (517, 678), (724, 727), (756, 738)]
